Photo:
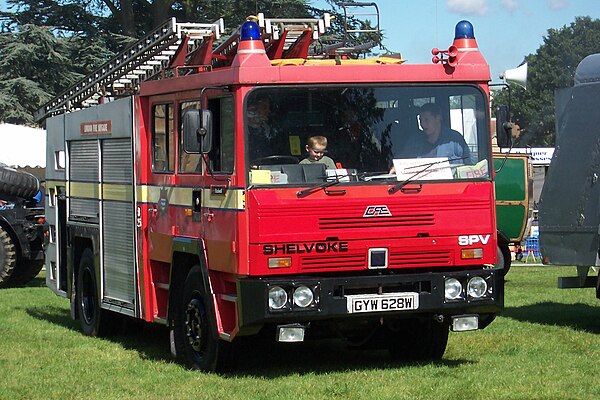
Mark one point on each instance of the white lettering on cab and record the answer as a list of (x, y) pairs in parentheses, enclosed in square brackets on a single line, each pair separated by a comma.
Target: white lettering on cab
[(469, 240)]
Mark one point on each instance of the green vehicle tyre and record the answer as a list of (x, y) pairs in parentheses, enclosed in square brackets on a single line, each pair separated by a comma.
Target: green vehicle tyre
[(8, 257), (17, 183), (26, 271)]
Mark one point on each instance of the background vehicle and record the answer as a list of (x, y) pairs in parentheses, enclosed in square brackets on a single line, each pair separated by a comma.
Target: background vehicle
[(569, 214), (21, 227), (514, 189), (183, 203)]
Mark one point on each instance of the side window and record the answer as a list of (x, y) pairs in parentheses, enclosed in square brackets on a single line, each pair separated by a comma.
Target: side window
[(163, 138), (221, 156), (188, 163)]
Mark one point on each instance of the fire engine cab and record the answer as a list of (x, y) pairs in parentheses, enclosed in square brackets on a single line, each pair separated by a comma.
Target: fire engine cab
[(179, 194)]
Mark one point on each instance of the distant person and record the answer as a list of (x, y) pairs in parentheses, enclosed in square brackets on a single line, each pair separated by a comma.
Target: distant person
[(316, 146), (438, 140)]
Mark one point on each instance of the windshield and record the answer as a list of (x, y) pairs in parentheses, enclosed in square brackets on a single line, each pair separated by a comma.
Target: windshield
[(299, 135)]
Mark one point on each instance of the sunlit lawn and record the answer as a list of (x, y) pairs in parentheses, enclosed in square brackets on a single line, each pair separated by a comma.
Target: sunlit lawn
[(545, 345)]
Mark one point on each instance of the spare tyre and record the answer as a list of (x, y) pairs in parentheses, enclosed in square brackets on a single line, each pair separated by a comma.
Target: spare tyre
[(17, 183)]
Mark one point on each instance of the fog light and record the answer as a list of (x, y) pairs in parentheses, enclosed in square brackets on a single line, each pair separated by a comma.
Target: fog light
[(277, 298), (303, 296), (453, 289), (477, 287), (290, 333), (464, 323)]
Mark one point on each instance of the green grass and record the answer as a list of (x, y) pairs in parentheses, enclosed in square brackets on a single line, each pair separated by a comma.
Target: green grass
[(546, 345)]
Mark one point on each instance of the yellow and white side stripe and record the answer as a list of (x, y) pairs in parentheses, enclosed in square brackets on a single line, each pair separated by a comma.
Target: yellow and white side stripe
[(232, 199)]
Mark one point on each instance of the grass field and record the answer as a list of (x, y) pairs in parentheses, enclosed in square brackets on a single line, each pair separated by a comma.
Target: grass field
[(546, 345)]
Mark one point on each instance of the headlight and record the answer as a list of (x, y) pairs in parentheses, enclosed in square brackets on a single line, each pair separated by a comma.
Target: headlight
[(477, 287), (453, 289), (303, 296), (277, 298)]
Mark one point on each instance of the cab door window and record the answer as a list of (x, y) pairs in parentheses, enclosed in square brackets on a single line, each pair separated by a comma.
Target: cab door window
[(163, 139), (221, 154), (188, 163)]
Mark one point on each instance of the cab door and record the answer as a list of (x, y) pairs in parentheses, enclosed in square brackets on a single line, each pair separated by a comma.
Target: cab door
[(221, 200)]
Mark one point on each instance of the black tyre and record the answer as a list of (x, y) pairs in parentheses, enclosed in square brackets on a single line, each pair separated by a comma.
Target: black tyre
[(26, 271), (195, 328), (504, 258), (417, 340), (17, 183), (93, 319), (8, 257)]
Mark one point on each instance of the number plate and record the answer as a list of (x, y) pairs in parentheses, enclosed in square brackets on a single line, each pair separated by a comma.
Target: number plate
[(361, 303)]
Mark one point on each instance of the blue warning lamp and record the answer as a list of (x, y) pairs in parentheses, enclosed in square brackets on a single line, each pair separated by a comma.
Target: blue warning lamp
[(249, 31), (464, 30)]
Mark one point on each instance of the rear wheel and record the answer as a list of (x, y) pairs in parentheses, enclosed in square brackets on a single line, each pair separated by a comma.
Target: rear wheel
[(195, 328), (94, 320), (8, 257), (416, 340)]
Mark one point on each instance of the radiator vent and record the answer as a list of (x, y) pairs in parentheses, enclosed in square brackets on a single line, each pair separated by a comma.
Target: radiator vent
[(425, 219)]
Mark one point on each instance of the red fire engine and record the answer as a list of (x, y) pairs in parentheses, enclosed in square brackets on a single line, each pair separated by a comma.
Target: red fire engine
[(177, 194)]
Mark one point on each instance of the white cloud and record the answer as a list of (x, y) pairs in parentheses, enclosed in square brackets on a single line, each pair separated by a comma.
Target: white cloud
[(510, 5), (558, 4), (468, 7)]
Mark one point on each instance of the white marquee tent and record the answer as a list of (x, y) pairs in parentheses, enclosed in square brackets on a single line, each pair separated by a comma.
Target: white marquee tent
[(22, 146)]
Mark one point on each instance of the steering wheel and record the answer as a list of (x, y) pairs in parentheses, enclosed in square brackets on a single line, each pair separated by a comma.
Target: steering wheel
[(275, 159)]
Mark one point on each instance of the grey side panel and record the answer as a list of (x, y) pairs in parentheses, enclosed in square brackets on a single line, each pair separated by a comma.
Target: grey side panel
[(118, 222), (55, 143), (83, 168), (569, 205)]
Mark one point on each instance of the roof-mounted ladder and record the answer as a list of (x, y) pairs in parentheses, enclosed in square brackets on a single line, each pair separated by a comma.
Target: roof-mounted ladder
[(283, 38), (145, 60), (361, 19)]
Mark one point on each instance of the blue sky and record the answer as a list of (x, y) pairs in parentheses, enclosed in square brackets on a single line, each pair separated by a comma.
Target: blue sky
[(506, 30)]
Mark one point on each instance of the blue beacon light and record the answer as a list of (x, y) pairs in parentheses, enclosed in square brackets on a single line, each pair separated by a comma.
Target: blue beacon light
[(249, 31), (464, 30)]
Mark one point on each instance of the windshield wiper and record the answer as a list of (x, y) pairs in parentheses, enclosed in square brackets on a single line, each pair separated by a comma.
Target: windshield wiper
[(312, 189), (405, 182)]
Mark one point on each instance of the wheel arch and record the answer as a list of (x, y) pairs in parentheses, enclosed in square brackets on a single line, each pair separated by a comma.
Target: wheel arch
[(186, 253)]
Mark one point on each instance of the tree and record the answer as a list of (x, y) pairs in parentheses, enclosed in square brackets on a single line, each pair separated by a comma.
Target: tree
[(33, 67), (551, 67)]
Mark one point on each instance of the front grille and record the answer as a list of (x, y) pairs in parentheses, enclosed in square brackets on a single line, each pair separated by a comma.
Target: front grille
[(418, 259), (397, 259), (339, 261), (425, 219)]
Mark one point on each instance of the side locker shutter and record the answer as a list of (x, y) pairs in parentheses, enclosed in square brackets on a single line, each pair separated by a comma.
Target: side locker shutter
[(118, 222), (83, 181)]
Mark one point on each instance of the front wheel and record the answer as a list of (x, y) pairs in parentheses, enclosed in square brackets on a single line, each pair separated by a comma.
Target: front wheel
[(416, 340), (504, 258), (195, 328)]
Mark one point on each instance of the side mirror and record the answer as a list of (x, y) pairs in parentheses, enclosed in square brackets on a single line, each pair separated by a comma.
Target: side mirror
[(503, 127), (197, 131)]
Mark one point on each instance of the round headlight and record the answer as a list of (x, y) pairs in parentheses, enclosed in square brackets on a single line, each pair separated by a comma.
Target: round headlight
[(477, 287), (453, 289), (303, 296), (277, 298)]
